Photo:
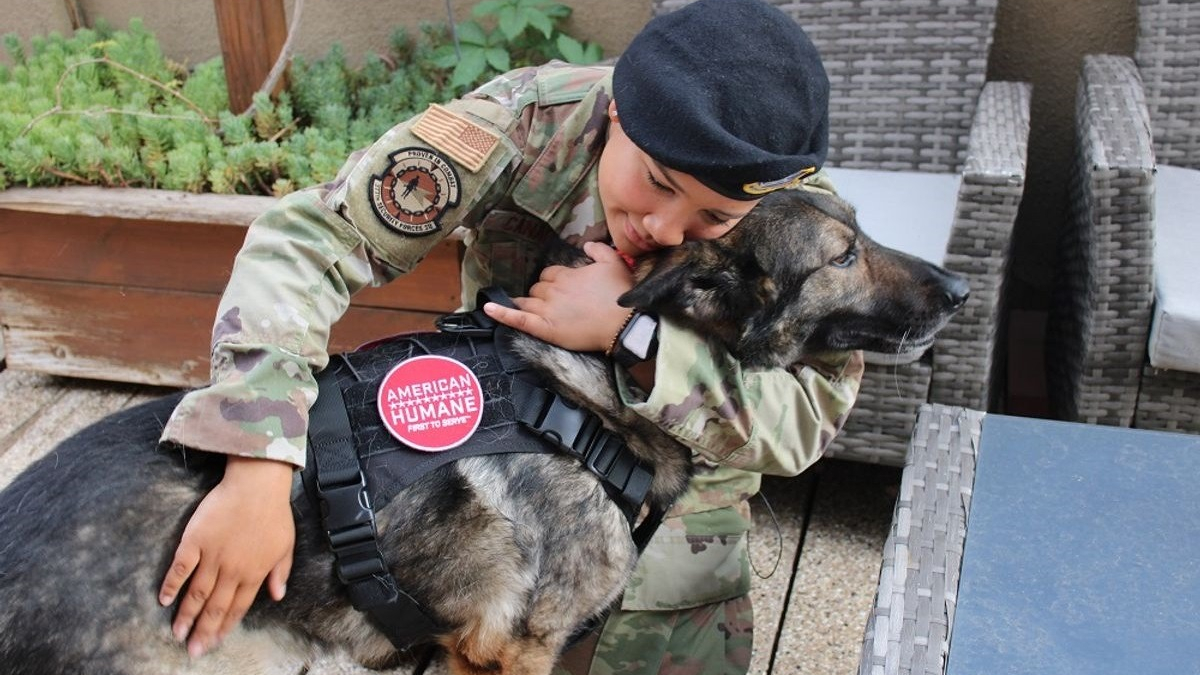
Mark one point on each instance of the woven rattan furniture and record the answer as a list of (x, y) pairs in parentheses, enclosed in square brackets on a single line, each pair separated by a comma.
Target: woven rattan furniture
[(1023, 545), (908, 629), (1103, 289), (909, 95), (1130, 118)]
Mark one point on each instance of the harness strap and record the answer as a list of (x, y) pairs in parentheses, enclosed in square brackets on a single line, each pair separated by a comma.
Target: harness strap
[(476, 322), (349, 522), (347, 511), (563, 424), (578, 433)]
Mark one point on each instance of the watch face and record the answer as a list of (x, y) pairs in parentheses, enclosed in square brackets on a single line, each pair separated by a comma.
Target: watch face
[(640, 336)]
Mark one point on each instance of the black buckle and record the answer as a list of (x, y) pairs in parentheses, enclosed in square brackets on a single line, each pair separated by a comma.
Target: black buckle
[(602, 457), (475, 323), (626, 480), (346, 507), (350, 525), (469, 324), (568, 426)]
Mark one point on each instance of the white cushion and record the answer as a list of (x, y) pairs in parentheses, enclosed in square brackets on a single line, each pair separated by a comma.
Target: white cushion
[(908, 211), (1175, 327)]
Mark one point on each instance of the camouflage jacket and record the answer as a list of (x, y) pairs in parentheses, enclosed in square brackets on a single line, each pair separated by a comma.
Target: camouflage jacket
[(515, 164)]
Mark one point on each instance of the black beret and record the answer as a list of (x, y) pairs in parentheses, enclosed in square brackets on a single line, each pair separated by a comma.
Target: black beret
[(731, 92)]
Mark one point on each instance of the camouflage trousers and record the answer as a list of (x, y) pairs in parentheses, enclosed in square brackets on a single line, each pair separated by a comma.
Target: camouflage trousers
[(715, 639)]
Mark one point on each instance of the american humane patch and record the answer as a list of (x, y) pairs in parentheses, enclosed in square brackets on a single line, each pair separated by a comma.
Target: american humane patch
[(431, 403)]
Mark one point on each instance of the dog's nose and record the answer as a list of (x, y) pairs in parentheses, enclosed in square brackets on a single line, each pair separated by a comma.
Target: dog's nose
[(956, 290)]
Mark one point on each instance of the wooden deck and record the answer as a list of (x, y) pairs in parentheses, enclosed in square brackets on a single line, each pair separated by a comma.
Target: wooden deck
[(810, 612)]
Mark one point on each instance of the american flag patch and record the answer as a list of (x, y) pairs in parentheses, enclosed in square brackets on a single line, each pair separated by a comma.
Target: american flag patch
[(461, 139)]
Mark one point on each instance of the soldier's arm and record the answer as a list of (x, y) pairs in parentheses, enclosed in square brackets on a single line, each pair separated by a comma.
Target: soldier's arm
[(291, 281), (304, 259), (774, 421)]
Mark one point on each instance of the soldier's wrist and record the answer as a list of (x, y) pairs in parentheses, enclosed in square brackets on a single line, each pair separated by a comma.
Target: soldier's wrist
[(258, 471), (637, 341)]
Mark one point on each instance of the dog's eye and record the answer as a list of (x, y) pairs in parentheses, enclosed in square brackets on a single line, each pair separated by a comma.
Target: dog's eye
[(844, 260)]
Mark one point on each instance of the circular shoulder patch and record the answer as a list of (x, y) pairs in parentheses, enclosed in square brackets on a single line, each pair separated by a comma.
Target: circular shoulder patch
[(431, 403), (414, 191)]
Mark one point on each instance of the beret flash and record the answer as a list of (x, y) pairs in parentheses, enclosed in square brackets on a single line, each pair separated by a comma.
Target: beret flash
[(731, 92)]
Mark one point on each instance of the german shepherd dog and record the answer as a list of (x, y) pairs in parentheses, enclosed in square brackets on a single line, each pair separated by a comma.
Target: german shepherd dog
[(526, 547)]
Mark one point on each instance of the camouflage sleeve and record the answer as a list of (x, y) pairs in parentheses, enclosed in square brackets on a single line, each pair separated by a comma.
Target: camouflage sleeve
[(304, 259), (292, 279), (773, 421)]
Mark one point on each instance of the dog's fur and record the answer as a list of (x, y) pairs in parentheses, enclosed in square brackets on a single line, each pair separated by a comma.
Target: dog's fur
[(526, 546)]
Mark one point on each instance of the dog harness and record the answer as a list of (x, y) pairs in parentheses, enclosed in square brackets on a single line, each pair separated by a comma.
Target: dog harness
[(355, 465)]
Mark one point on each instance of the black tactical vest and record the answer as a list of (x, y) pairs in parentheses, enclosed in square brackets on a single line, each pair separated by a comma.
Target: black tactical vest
[(355, 466)]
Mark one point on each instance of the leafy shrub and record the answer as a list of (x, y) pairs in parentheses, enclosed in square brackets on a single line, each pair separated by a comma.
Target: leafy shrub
[(106, 107)]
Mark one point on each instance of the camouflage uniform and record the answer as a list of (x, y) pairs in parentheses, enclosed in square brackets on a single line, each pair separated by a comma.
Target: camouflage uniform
[(514, 163)]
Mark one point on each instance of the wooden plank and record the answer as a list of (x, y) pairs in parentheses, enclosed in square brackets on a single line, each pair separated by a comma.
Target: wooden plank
[(181, 255), (152, 336), (76, 15), (113, 250), (252, 33), (137, 203)]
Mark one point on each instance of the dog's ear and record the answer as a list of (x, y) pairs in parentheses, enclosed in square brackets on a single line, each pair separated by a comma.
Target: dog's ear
[(660, 277), (559, 252), (706, 285), (556, 252)]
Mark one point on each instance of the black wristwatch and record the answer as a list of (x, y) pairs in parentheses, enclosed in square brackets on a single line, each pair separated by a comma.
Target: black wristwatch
[(637, 341)]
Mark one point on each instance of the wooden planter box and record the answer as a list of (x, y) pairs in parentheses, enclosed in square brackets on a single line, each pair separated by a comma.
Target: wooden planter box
[(123, 284)]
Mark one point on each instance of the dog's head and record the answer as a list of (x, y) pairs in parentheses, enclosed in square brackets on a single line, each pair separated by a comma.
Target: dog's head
[(797, 276)]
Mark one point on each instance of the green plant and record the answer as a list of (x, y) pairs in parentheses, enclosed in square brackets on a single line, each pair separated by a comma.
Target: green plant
[(106, 107), (101, 107), (523, 32)]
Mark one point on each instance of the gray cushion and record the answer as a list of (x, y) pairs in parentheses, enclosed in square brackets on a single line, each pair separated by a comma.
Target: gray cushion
[(1175, 327)]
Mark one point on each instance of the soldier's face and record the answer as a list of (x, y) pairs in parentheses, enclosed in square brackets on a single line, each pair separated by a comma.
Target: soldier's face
[(648, 206)]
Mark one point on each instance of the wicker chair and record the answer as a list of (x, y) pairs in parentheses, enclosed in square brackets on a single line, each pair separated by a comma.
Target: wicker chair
[(909, 100), (1137, 124)]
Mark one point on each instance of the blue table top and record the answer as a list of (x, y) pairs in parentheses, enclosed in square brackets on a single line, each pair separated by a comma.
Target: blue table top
[(1082, 553)]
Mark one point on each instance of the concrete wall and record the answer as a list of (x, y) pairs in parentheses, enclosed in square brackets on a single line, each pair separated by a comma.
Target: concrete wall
[(1043, 42), (1038, 41)]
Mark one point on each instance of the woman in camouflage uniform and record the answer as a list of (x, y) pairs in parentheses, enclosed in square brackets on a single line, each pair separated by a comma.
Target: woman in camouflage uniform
[(711, 107)]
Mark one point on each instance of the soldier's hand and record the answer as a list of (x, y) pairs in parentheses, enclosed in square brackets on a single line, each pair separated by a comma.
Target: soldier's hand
[(241, 534), (573, 307)]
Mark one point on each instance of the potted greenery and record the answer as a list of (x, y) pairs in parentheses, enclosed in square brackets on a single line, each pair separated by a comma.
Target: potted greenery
[(126, 184)]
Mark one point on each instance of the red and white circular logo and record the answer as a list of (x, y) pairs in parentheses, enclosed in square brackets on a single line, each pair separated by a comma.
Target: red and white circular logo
[(431, 403)]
